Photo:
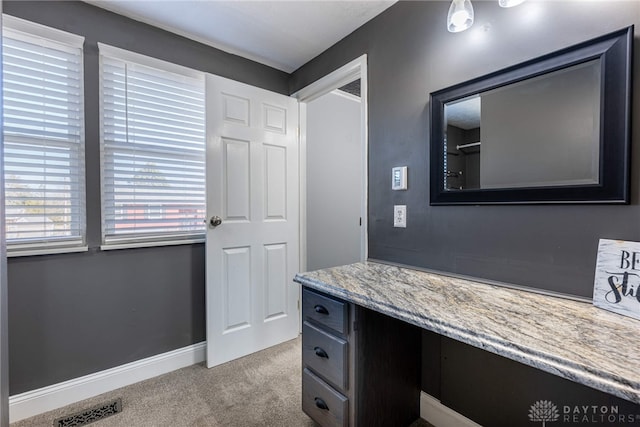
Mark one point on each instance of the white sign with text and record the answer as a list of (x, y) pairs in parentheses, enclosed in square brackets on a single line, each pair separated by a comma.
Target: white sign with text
[(617, 280)]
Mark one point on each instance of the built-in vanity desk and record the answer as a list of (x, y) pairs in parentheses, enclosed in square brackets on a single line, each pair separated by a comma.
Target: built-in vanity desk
[(384, 307)]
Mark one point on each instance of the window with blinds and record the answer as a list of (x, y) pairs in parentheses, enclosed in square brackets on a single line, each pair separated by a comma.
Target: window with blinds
[(43, 126), (153, 151)]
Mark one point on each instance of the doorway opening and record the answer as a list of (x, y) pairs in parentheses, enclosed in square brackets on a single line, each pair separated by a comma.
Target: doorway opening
[(333, 166)]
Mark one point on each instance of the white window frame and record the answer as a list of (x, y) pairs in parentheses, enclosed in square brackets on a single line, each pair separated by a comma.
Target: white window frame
[(134, 241), (22, 29)]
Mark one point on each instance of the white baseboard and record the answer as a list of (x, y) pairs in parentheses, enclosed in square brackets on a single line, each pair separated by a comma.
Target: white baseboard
[(45, 399), (434, 412)]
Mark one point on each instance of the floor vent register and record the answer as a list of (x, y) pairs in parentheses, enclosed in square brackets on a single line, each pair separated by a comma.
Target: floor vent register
[(90, 415)]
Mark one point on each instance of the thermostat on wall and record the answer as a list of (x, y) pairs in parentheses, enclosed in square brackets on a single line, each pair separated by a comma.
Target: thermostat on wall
[(399, 178)]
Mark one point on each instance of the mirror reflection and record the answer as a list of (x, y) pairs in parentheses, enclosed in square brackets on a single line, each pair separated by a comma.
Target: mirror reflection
[(539, 132)]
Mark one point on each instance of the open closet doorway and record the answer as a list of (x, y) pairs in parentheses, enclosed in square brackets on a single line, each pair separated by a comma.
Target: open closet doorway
[(333, 160)]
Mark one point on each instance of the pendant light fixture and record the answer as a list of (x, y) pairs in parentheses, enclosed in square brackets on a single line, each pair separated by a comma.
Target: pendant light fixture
[(509, 3), (460, 16)]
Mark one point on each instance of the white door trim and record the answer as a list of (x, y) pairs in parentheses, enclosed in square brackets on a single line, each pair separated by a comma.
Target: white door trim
[(343, 75)]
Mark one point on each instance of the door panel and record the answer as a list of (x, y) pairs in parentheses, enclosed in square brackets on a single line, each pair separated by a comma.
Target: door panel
[(275, 280), (235, 109), (275, 182), (236, 167), (275, 118), (253, 185), (237, 286)]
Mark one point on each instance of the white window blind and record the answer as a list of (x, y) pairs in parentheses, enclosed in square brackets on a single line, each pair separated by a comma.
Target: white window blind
[(43, 125), (153, 153)]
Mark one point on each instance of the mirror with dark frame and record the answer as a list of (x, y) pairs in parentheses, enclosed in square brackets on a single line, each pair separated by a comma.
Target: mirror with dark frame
[(555, 129)]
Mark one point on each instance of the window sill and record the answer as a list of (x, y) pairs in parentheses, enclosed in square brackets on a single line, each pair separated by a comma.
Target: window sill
[(150, 244), (45, 251)]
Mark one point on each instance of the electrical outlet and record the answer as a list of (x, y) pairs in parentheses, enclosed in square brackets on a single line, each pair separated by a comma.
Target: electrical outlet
[(400, 216)]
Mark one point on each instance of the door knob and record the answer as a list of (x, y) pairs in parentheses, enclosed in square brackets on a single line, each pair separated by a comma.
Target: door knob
[(215, 221)]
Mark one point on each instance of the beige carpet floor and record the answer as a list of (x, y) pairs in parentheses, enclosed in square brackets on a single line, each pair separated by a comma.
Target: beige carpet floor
[(262, 389)]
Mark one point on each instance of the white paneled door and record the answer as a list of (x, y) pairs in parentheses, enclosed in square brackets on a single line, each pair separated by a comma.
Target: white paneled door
[(252, 193)]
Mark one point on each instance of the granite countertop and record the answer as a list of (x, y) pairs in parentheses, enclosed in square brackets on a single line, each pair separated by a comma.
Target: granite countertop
[(568, 338)]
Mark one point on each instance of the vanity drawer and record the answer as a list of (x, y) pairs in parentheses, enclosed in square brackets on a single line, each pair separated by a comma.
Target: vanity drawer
[(322, 403), (325, 354), (324, 310)]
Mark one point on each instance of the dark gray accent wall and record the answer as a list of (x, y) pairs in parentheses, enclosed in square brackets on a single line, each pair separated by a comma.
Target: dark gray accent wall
[(410, 54), (497, 392), (75, 314)]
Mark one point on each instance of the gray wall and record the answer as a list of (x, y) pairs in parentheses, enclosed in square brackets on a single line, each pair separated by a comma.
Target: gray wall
[(410, 54), (334, 187), (74, 314)]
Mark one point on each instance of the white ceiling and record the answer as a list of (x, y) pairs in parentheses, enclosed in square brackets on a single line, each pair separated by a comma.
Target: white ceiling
[(281, 34)]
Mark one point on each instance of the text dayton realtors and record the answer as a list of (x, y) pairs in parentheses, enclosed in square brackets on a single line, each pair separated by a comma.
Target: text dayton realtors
[(596, 414)]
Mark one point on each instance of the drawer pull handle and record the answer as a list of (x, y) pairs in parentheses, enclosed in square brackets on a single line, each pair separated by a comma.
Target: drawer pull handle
[(320, 352), (321, 403), (320, 309)]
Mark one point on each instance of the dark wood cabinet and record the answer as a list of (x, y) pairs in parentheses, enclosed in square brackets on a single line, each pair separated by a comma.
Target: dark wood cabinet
[(360, 367)]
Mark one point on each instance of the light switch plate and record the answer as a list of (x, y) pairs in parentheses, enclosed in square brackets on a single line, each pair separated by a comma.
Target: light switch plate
[(399, 178), (400, 216)]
